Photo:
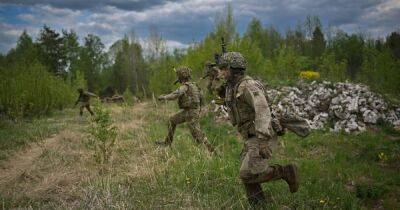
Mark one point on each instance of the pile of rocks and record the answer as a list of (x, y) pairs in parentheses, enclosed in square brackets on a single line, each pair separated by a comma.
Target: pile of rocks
[(346, 106)]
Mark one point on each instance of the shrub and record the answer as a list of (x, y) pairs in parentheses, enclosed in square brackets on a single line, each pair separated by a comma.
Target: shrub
[(128, 97), (103, 134), (30, 90)]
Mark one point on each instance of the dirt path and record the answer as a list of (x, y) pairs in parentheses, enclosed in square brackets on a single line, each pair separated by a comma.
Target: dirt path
[(50, 171)]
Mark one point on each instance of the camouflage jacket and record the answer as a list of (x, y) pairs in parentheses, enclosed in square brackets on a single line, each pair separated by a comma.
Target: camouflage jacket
[(188, 95), (85, 96), (248, 108)]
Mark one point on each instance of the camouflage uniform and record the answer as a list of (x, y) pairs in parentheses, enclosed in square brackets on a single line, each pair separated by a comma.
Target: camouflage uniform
[(250, 113), (84, 101), (214, 84), (189, 98)]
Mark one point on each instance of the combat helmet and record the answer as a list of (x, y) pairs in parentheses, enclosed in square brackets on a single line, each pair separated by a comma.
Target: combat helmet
[(183, 72), (208, 69), (233, 60)]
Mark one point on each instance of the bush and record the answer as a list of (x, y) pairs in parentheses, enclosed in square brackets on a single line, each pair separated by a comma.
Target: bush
[(331, 69), (103, 134), (128, 97), (30, 90)]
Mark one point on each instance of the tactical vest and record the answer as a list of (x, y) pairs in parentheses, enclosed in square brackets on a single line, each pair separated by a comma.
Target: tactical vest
[(279, 121), (238, 115), (191, 99)]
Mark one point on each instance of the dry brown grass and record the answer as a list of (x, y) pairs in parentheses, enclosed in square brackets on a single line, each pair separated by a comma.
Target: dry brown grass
[(53, 171), (46, 172)]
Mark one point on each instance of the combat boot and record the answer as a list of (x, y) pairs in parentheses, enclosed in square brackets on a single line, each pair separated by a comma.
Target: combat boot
[(290, 175), (255, 194)]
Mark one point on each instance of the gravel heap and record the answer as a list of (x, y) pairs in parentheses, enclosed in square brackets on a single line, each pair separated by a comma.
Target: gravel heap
[(344, 106)]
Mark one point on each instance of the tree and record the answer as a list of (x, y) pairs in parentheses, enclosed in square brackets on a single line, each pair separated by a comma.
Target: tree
[(350, 49), (393, 43), (275, 40), (52, 51), (258, 36), (317, 43), (254, 30), (225, 25), (71, 47), (296, 39), (92, 60), (128, 69), (155, 44), (310, 24), (25, 53)]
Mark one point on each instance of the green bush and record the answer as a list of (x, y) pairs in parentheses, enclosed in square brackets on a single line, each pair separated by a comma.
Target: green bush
[(30, 90), (103, 134), (128, 97)]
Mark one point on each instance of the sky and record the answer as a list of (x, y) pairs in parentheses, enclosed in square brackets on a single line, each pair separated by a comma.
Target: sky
[(183, 22)]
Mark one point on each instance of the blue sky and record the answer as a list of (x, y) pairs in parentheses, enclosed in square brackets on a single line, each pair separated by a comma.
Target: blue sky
[(182, 22)]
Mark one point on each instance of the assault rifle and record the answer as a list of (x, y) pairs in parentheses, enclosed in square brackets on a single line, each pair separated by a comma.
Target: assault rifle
[(211, 71), (217, 56), (210, 67)]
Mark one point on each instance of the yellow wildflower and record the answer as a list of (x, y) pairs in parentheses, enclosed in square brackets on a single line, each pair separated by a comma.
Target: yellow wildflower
[(309, 75)]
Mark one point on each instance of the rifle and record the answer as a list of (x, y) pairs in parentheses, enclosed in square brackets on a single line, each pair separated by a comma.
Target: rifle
[(217, 56), (208, 71)]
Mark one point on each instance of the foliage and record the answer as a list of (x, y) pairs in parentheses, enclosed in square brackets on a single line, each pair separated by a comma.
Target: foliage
[(31, 90), (272, 56), (103, 134), (92, 61), (52, 51), (129, 67), (331, 69), (129, 97)]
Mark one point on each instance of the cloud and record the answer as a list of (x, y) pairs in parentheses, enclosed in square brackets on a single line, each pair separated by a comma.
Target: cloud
[(9, 35), (172, 44), (136, 5), (182, 22)]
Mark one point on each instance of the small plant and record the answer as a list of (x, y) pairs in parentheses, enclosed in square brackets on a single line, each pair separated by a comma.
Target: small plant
[(103, 134), (128, 97)]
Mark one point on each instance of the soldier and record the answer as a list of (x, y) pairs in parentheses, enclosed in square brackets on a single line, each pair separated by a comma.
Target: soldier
[(84, 100), (211, 71), (189, 98), (214, 84), (249, 111)]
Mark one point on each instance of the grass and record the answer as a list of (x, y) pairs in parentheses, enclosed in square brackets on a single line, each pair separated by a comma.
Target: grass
[(17, 134), (337, 170)]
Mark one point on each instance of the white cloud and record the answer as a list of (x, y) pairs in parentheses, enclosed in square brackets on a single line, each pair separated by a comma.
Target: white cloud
[(172, 44), (181, 22)]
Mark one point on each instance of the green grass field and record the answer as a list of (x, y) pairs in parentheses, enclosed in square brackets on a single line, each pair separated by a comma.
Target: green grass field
[(45, 163)]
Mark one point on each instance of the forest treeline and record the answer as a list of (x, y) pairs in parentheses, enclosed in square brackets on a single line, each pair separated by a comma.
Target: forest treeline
[(42, 74)]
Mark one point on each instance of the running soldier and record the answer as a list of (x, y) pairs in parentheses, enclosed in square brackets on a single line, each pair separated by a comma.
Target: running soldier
[(189, 101), (250, 113), (84, 101)]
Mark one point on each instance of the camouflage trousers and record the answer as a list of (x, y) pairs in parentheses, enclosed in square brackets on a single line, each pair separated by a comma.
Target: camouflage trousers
[(255, 168), (84, 105), (191, 117)]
